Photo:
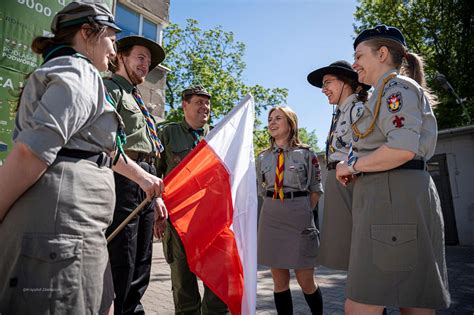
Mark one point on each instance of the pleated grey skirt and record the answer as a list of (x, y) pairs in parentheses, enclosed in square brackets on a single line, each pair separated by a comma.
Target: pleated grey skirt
[(287, 236), (54, 251), (336, 228), (397, 254)]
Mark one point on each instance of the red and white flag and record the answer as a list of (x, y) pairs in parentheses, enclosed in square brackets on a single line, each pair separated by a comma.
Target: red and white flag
[(211, 197)]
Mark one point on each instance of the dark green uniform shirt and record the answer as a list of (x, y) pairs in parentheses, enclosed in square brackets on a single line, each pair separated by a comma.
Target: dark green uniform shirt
[(178, 139), (138, 137)]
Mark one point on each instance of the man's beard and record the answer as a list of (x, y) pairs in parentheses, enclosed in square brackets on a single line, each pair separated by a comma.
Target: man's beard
[(133, 76)]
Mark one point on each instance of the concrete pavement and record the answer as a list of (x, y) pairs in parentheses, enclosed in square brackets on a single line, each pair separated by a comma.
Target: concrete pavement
[(158, 298)]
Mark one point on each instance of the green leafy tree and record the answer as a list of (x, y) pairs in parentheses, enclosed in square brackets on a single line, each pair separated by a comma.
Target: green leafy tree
[(443, 33), (213, 59)]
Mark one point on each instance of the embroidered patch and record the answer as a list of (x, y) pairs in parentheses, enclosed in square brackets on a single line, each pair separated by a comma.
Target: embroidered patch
[(355, 138), (398, 121), (357, 111), (394, 102)]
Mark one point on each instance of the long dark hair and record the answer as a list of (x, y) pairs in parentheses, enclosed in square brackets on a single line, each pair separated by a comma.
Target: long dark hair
[(356, 87)]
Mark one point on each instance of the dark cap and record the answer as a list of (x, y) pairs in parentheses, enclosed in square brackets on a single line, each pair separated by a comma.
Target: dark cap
[(340, 68), (157, 53), (382, 31), (196, 90), (79, 13)]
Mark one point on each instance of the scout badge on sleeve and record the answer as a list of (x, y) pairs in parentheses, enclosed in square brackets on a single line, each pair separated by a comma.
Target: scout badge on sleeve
[(394, 102)]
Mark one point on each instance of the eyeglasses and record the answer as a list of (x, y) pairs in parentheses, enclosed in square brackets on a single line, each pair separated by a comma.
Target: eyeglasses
[(326, 83)]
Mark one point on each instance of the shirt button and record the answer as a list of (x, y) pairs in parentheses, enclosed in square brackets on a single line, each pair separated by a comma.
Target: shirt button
[(394, 238), (53, 255)]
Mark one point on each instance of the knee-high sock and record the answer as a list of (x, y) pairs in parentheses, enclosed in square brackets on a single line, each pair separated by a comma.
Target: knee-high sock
[(315, 302), (283, 302)]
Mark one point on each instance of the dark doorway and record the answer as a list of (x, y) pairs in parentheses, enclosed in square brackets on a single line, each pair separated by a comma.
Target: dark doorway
[(438, 168)]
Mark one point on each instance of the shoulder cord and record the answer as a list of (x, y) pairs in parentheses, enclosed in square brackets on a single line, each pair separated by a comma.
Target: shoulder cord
[(121, 137), (369, 130)]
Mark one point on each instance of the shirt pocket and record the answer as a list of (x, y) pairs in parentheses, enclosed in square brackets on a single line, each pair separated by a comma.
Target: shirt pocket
[(394, 246), (296, 176), (48, 271), (267, 173), (178, 151)]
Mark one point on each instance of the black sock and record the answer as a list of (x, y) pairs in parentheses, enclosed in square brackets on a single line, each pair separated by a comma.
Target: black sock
[(283, 302), (315, 302), (384, 311)]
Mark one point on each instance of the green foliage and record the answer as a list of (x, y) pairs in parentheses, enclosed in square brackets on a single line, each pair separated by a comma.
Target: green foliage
[(261, 139), (440, 31), (213, 59)]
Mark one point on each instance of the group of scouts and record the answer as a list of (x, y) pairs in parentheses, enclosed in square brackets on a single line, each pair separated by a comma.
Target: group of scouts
[(87, 152)]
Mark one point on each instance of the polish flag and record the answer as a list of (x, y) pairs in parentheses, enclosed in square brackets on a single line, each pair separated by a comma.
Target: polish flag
[(211, 198)]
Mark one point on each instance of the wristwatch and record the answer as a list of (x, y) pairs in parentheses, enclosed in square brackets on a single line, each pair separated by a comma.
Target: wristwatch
[(350, 164)]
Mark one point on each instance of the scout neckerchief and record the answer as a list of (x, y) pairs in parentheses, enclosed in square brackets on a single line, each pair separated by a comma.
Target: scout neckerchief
[(157, 146), (280, 168), (329, 147), (197, 135), (356, 130), (121, 137)]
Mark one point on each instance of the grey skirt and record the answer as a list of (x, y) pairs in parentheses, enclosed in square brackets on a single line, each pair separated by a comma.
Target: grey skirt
[(287, 236), (337, 224), (54, 253), (397, 253)]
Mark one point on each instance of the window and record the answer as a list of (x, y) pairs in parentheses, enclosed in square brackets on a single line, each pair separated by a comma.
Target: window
[(133, 23)]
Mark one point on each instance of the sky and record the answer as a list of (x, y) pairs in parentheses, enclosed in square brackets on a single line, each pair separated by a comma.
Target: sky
[(285, 40)]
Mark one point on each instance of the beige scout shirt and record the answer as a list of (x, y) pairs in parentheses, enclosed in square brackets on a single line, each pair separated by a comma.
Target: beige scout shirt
[(302, 171), (406, 120), (341, 139), (63, 105)]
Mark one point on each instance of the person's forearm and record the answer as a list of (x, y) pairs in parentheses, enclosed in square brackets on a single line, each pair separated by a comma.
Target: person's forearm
[(382, 159), (314, 198), (21, 170), (131, 170)]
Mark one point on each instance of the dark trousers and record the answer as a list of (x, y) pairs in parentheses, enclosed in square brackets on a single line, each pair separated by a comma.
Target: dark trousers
[(130, 251), (187, 300)]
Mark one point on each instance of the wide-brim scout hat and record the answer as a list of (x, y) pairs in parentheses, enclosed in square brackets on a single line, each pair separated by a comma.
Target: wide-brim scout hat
[(381, 31), (341, 68), (156, 51), (196, 90), (76, 13)]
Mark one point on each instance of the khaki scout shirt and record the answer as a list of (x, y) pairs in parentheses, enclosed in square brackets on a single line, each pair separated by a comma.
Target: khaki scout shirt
[(63, 105), (301, 173), (342, 136), (138, 137), (178, 140), (406, 120)]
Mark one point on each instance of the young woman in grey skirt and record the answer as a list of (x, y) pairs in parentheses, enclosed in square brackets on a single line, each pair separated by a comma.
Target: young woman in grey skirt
[(57, 183), (397, 250), (289, 181), (339, 83)]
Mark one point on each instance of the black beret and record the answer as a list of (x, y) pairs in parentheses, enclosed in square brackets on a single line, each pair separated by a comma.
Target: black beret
[(382, 31)]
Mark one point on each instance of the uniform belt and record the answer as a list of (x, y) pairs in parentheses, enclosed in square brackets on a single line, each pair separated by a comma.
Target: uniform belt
[(290, 195), (141, 156), (331, 165), (410, 165), (101, 158)]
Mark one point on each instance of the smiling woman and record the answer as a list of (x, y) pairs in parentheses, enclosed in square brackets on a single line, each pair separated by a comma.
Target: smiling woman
[(289, 181)]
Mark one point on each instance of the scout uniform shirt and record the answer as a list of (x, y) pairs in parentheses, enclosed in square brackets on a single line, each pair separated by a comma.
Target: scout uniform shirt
[(138, 137), (403, 107), (54, 113), (340, 138), (178, 140), (302, 171)]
